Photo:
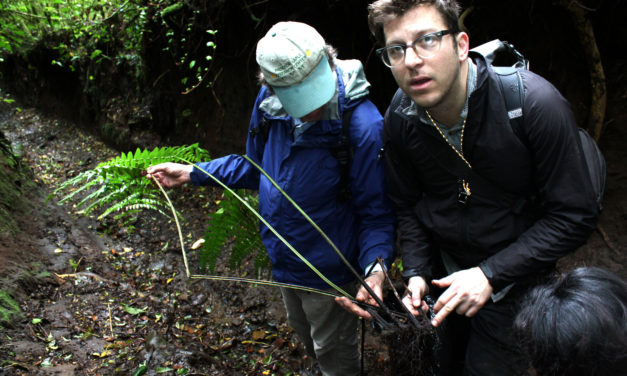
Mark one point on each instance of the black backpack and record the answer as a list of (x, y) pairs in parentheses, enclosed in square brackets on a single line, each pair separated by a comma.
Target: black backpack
[(513, 91)]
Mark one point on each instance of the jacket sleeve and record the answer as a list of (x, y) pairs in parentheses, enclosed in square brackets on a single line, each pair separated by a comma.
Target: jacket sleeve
[(233, 170), (566, 196), (367, 186), (404, 191)]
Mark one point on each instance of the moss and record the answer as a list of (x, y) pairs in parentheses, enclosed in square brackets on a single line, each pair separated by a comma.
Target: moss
[(9, 308), (13, 184)]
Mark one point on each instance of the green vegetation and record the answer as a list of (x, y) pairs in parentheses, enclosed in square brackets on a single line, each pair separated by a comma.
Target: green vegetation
[(12, 185), (233, 223), (85, 34), (8, 307), (117, 187), (89, 27)]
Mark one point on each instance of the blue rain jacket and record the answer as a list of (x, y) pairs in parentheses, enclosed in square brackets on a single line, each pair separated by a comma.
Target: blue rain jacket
[(300, 161)]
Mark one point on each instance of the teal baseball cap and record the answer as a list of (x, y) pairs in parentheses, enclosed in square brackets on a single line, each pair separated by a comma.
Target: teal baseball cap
[(293, 61)]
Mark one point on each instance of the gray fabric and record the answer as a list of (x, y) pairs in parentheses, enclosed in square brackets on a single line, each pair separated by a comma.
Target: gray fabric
[(329, 333), (354, 77)]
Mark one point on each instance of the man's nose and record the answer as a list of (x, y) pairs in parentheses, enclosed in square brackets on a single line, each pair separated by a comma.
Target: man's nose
[(411, 57)]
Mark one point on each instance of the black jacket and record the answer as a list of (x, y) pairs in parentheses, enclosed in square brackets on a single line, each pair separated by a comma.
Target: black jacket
[(542, 160)]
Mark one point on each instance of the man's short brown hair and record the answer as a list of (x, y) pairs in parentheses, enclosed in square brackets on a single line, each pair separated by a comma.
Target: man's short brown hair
[(382, 11)]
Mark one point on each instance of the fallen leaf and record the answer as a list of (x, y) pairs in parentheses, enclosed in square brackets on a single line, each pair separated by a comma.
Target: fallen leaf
[(258, 335), (198, 243), (102, 354)]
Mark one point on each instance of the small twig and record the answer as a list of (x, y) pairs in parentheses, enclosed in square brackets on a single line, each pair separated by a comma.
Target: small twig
[(462, 18), (266, 283), (255, 4), (110, 323), (607, 240), (580, 5), (412, 318), (84, 274), (215, 96)]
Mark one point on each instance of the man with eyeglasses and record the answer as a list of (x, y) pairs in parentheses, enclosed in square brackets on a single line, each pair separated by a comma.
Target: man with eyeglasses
[(483, 213)]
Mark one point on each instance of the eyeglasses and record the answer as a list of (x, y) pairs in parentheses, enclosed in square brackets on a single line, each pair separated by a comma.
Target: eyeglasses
[(424, 46)]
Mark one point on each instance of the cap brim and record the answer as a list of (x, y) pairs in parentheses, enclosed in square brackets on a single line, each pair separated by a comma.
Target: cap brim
[(310, 94)]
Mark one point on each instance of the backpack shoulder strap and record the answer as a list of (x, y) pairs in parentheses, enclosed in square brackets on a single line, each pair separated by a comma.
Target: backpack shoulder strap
[(344, 155), (513, 93)]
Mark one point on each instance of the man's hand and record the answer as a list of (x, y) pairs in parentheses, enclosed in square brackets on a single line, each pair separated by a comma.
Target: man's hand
[(170, 175), (468, 290), (417, 288), (375, 281)]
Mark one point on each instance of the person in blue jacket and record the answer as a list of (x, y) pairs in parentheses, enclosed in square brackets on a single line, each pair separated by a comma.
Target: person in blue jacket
[(295, 126)]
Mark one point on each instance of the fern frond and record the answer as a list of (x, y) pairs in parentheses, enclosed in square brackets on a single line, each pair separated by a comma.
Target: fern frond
[(142, 159), (233, 225), (118, 185), (91, 196), (91, 180), (134, 202), (80, 178), (104, 200)]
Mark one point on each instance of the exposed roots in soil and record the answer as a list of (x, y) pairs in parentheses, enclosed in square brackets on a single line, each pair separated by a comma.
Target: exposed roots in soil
[(412, 344)]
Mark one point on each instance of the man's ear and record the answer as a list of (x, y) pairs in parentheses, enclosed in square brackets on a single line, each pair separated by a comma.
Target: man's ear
[(463, 45)]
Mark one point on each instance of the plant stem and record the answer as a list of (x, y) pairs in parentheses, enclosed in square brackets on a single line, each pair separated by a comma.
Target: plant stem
[(178, 226), (311, 221), (263, 220)]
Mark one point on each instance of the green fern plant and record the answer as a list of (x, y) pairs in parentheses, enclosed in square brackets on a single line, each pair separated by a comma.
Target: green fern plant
[(118, 186), (232, 224)]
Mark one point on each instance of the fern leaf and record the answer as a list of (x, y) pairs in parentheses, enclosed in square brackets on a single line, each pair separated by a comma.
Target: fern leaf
[(91, 196), (118, 185), (108, 199), (232, 225), (84, 187), (119, 205)]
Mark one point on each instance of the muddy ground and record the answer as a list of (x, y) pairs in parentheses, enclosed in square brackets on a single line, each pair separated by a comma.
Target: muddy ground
[(97, 299)]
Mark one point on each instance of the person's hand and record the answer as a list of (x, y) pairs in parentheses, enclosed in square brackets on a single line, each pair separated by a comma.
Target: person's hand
[(375, 282), (417, 288), (467, 291), (170, 175)]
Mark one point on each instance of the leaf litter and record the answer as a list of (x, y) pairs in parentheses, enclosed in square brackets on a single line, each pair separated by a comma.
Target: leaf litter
[(116, 301)]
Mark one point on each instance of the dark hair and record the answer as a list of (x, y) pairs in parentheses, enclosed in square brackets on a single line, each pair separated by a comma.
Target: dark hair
[(329, 51), (576, 324), (382, 11)]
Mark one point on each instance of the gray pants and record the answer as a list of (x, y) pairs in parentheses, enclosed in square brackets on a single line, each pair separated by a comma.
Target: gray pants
[(328, 331)]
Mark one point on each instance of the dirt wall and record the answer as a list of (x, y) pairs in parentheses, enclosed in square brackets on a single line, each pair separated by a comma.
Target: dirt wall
[(146, 109)]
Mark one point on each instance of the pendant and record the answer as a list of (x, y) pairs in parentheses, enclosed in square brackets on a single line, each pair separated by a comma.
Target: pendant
[(463, 192)]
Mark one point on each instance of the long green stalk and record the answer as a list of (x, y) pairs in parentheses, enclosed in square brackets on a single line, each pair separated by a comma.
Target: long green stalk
[(178, 227), (265, 283), (272, 229), (322, 233)]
